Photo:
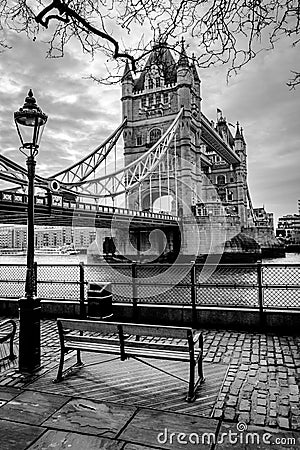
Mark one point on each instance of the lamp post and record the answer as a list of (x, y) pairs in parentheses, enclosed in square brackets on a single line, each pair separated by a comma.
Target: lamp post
[(30, 122)]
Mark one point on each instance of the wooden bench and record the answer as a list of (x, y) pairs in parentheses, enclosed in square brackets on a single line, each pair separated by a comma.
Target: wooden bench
[(8, 330), (133, 341)]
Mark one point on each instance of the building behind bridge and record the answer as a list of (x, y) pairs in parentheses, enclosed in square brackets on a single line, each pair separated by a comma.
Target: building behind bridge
[(15, 237)]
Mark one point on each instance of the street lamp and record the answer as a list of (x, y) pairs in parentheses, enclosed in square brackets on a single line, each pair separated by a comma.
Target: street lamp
[(30, 122)]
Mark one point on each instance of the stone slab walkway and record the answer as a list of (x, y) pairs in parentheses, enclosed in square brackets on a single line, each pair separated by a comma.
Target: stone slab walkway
[(258, 403)]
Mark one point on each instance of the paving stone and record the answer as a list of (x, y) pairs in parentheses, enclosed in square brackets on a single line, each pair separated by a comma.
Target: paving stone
[(241, 376), (248, 388), (283, 411), (32, 407), (284, 401), (229, 413), (259, 419), (272, 422), (18, 436), (246, 395), (218, 413), (244, 417), (283, 422), (294, 398), (232, 400), (95, 418), (148, 426), (245, 405), (261, 401), (295, 410), (261, 410), (66, 439), (294, 390), (295, 422), (262, 394)]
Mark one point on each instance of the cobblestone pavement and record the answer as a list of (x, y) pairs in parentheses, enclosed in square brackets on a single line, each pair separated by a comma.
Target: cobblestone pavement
[(261, 386), (263, 380)]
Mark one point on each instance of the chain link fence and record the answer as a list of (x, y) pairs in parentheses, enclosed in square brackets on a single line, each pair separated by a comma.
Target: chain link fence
[(258, 285)]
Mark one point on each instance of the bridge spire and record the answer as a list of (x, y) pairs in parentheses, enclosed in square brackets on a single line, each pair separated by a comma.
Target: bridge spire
[(238, 134), (183, 59), (127, 75)]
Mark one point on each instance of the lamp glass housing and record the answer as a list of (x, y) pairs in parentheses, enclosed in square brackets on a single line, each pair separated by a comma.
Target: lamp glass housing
[(30, 122)]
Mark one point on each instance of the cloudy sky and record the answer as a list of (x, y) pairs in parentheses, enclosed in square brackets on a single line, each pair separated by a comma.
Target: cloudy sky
[(82, 113)]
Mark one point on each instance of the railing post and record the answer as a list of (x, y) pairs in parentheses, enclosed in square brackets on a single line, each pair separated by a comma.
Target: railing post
[(82, 311), (35, 277), (134, 290), (260, 293), (193, 294)]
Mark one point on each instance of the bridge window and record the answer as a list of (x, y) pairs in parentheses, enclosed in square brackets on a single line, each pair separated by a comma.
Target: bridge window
[(139, 140), (221, 179), (230, 195), (150, 83), (151, 100), (155, 134), (158, 98), (157, 82), (166, 97), (144, 102), (193, 136)]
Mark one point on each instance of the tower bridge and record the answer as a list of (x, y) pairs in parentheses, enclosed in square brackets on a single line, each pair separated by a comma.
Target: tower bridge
[(182, 173)]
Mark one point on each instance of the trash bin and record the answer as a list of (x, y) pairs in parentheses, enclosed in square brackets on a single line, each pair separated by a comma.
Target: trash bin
[(99, 301)]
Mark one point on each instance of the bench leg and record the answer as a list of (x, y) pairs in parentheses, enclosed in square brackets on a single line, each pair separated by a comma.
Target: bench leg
[(60, 368), (79, 362), (12, 356), (200, 370), (191, 392)]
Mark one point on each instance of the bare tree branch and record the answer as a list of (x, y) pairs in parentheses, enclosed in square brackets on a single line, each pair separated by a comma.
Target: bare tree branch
[(230, 32)]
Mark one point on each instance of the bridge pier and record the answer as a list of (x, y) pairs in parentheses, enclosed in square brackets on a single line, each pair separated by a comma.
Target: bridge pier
[(148, 244)]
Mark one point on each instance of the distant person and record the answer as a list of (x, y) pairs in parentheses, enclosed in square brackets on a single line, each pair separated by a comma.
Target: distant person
[(106, 246)]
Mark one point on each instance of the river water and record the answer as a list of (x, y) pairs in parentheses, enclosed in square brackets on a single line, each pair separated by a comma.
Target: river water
[(291, 258)]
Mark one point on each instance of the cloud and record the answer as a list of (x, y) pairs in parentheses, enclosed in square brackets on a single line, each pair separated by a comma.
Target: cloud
[(260, 100), (82, 114)]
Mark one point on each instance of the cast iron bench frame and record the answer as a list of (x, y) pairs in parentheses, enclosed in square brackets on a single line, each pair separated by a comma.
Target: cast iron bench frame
[(8, 335), (116, 340)]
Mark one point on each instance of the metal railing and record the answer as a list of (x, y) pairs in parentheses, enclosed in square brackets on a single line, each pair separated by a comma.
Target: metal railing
[(259, 286)]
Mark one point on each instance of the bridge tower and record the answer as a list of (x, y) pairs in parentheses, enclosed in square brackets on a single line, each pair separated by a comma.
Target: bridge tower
[(150, 103)]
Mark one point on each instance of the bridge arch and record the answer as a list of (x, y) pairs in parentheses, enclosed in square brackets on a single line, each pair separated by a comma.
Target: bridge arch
[(151, 198)]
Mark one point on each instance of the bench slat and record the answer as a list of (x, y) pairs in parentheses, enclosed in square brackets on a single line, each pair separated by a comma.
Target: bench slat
[(127, 342), (84, 346), (142, 353), (128, 328)]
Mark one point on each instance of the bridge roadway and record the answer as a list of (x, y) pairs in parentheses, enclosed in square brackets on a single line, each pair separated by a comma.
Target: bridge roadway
[(55, 210)]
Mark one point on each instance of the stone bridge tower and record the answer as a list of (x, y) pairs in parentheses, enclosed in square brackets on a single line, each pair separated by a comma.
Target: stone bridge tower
[(212, 166), (150, 103)]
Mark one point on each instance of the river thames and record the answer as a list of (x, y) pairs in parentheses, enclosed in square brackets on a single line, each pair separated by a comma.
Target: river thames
[(291, 258)]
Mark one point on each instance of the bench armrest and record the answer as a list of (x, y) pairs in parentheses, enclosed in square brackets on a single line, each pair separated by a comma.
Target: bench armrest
[(198, 337), (10, 333)]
